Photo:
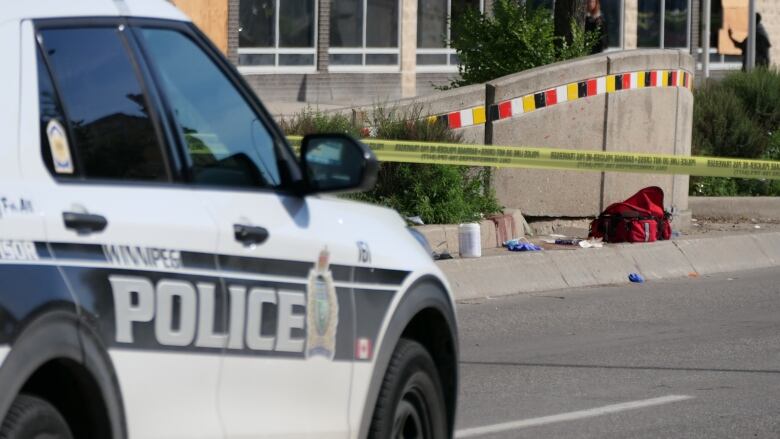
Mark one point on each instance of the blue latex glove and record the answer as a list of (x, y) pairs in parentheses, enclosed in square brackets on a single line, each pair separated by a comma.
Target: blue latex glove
[(522, 246), (636, 277)]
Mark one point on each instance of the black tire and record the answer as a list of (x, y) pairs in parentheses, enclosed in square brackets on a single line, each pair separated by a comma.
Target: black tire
[(411, 401), (31, 417)]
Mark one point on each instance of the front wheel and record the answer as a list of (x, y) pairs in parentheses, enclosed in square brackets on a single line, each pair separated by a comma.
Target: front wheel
[(411, 401), (31, 417)]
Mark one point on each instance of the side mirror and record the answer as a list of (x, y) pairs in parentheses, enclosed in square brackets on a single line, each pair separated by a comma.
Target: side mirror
[(337, 163)]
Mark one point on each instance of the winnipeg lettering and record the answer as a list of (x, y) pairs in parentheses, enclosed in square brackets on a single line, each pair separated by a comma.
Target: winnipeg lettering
[(183, 314), (142, 257)]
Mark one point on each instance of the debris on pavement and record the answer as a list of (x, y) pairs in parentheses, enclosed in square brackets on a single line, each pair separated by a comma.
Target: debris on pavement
[(517, 245), (442, 256), (636, 278)]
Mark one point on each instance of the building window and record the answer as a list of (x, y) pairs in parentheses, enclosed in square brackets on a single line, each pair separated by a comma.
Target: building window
[(277, 34), (676, 23), (364, 33), (434, 34), (663, 23), (613, 14)]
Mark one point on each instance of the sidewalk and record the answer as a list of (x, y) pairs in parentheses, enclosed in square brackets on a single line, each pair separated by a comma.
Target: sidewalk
[(709, 248)]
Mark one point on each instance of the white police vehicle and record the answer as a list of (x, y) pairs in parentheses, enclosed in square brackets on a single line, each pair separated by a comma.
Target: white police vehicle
[(167, 267)]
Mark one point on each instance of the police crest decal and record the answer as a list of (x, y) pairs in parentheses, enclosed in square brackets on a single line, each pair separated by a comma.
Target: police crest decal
[(322, 308)]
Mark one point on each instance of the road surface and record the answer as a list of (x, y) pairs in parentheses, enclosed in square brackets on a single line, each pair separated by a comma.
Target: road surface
[(692, 358)]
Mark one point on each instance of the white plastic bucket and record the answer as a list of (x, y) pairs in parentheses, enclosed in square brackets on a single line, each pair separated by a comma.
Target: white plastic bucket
[(469, 241)]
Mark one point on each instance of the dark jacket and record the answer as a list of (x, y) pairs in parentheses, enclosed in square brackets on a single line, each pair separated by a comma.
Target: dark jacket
[(598, 25), (762, 47)]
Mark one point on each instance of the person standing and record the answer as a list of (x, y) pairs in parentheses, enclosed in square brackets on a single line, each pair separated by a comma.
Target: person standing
[(762, 45), (596, 23)]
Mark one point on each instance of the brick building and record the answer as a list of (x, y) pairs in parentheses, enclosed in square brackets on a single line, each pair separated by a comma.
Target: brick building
[(364, 51)]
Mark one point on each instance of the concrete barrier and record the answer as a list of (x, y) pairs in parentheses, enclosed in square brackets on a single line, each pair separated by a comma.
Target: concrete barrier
[(653, 120), (657, 260), (726, 253), (650, 119), (514, 273), (502, 275), (600, 266), (763, 208)]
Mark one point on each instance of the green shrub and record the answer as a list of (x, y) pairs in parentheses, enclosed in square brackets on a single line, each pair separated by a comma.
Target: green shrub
[(738, 117), (722, 127), (759, 92), (310, 122), (439, 194), (514, 39)]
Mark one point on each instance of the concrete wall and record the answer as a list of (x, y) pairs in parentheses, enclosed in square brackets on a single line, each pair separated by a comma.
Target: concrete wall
[(348, 89), (575, 125), (736, 208), (770, 17), (650, 120), (653, 120)]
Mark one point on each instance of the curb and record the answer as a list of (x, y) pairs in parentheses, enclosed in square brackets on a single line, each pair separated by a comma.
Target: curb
[(515, 273)]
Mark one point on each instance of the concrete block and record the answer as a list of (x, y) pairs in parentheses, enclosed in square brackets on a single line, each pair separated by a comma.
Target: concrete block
[(643, 59), (598, 266), (549, 193), (769, 243), (549, 76), (473, 134), (687, 62), (723, 254), (487, 234), (657, 260), (502, 275), (640, 121), (684, 138), (441, 237), (571, 125), (521, 226), (682, 220)]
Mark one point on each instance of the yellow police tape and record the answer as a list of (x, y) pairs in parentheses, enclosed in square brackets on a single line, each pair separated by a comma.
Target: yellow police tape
[(564, 159)]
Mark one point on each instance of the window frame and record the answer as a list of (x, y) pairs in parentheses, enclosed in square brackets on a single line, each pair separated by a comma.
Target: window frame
[(141, 73), (448, 51), (363, 50), (662, 29), (292, 176), (276, 50)]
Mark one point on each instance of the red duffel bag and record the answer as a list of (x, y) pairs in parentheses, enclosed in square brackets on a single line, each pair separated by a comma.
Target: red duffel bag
[(641, 218)]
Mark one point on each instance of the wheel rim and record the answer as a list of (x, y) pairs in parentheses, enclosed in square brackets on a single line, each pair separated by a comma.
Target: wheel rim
[(411, 420)]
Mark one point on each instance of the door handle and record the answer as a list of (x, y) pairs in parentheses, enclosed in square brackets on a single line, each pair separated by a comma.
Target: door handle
[(84, 223), (250, 235)]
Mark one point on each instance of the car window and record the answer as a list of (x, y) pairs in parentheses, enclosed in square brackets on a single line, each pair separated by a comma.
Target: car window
[(108, 112), (226, 141), (54, 136)]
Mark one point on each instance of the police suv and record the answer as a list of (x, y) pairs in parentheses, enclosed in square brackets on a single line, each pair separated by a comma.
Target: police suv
[(168, 267)]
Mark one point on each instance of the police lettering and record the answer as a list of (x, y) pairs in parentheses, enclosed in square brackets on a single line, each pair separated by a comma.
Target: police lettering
[(18, 251), (191, 323)]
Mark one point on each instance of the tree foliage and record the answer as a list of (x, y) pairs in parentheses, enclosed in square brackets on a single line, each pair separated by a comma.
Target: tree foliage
[(738, 117), (516, 37)]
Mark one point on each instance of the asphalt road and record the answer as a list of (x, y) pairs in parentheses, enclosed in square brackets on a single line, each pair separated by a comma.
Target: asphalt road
[(690, 358)]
